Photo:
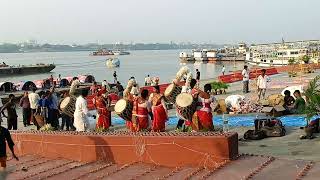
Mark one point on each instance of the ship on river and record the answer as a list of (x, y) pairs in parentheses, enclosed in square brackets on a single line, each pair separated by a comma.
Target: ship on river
[(6, 70)]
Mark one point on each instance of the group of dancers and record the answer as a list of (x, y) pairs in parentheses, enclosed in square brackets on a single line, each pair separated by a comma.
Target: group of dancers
[(148, 111)]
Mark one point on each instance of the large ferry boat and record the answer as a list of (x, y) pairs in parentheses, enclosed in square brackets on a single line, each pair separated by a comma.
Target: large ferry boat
[(277, 57), (6, 70)]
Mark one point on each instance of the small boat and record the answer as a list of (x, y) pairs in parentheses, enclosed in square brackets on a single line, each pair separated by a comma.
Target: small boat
[(119, 52), (102, 52), (112, 62)]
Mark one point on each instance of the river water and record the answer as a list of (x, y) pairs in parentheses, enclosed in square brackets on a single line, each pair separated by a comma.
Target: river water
[(162, 63)]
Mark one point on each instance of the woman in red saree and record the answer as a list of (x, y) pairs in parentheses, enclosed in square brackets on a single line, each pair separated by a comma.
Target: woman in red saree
[(140, 112), (104, 120), (202, 119), (159, 111)]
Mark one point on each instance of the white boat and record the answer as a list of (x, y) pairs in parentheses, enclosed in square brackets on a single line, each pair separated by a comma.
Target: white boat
[(112, 62), (275, 57), (119, 52)]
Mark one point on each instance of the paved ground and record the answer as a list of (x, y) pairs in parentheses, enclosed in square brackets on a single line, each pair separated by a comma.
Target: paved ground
[(245, 167)]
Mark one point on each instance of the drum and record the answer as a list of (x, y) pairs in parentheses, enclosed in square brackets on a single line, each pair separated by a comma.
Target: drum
[(68, 105), (171, 92), (123, 108), (186, 106)]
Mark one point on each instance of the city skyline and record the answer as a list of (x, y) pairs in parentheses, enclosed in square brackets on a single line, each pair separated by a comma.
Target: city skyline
[(143, 21)]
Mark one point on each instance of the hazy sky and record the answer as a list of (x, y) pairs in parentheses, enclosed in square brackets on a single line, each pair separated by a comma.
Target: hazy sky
[(106, 21)]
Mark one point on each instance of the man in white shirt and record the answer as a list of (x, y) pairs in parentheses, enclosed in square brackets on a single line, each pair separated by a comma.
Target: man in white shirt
[(262, 84), (245, 79), (147, 80), (81, 113), (223, 70), (33, 99), (105, 84)]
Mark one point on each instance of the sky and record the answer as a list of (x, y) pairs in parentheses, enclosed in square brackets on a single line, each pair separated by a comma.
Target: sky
[(196, 21)]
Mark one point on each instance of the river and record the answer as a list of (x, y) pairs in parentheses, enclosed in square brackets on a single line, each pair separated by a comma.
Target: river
[(161, 63)]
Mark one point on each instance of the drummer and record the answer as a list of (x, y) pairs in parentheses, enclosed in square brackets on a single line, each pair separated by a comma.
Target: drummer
[(140, 112), (185, 89), (202, 119), (159, 110)]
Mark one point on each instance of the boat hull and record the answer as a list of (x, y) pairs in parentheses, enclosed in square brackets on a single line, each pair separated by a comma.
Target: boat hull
[(25, 70)]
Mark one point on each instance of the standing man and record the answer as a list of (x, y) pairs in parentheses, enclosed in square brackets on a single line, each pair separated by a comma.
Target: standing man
[(51, 80), (53, 109), (223, 70), (262, 84), (147, 81), (26, 111), (115, 76), (33, 99), (245, 79), (120, 89), (12, 117), (81, 114), (59, 83), (5, 137), (198, 76)]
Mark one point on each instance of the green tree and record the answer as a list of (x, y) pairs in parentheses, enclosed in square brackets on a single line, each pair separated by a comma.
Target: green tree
[(313, 98)]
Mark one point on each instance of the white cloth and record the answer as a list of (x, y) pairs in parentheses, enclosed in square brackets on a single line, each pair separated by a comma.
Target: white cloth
[(147, 80), (185, 89), (1, 103), (81, 115), (245, 75), (233, 101), (33, 99), (223, 70), (105, 84), (73, 87), (262, 82)]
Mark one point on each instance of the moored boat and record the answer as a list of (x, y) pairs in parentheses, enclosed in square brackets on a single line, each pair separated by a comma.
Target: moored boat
[(6, 70)]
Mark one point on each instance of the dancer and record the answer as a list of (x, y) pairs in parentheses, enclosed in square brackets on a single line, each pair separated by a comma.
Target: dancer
[(101, 104), (159, 110), (202, 119), (140, 112)]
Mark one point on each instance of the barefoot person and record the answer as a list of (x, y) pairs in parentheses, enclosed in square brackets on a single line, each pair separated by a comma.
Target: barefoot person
[(245, 79), (140, 112), (101, 104), (5, 138), (263, 79), (159, 110), (202, 119), (12, 117)]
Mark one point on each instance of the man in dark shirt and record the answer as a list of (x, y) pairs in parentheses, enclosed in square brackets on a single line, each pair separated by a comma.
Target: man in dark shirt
[(12, 117), (5, 136), (115, 77), (26, 111), (288, 101), (198, 75)]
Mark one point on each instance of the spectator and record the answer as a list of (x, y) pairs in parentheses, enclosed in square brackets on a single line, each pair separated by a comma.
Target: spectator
[(43, 105), (5, 138), (59, 81), (12, 117), (223, 70), (26, 111), (262, 84), (105, 85), (51, 81), (115, 77), (33, 99), (66, 120), (245, 79), (120, 89), (299, 105), (147, 81), (197, 75), (53, 112), (288, 101)]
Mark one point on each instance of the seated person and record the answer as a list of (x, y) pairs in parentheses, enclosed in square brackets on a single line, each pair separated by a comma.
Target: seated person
[(299, 105), (288, 101)]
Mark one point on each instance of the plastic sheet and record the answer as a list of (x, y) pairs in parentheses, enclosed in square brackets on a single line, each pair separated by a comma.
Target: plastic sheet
[(290, 121)]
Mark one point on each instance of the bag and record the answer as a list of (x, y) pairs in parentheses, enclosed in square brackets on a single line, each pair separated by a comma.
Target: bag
[(254, 135), (274, 128)]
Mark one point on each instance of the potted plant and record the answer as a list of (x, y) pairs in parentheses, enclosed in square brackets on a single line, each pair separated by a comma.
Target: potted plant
[(313, 98)]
